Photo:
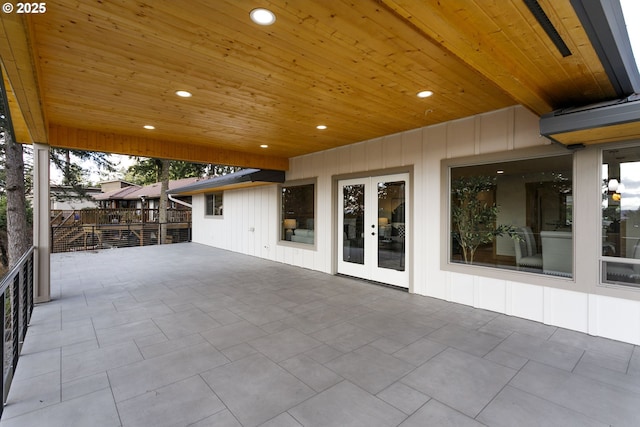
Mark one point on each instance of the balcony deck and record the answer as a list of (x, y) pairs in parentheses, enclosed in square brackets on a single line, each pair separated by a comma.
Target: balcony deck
[(185, 334)]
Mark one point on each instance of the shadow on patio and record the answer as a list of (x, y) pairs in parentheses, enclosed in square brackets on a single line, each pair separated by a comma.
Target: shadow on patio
[(187, 334)]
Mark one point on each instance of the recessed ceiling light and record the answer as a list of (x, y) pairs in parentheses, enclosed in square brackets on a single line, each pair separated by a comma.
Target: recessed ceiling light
[(149, 127), (321, 127), (183, 94), (500, 172), (262, 16), (425, 94), (264, 146)]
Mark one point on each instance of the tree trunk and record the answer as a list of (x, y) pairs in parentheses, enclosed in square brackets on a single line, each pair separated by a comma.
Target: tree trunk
[(67, 168), (164, 187), (17, 230)]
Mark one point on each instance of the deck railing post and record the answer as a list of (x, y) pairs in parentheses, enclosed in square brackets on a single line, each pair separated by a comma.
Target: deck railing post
[(15, 307), (24, 307), (28, 295), (2, 351)]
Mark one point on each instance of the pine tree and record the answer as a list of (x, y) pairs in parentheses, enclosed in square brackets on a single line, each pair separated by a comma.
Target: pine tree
[(18, 231)]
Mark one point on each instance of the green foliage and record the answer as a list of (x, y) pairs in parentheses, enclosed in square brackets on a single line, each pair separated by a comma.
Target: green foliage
[(146, 171), (473, 219), (143, 172), (73, 174), (179, 169)]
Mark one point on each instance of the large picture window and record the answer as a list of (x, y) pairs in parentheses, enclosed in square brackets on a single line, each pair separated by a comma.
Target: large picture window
[(213, 204), (297, 215), (621, 216), (515, 215)]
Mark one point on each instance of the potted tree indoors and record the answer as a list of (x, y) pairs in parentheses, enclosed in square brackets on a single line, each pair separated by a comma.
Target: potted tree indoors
[(473, 219)]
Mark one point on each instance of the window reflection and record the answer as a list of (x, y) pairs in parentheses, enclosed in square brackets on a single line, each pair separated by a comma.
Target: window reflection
[(391, 225), (353, 220), (621, 215), (298, 214), (514, 215)]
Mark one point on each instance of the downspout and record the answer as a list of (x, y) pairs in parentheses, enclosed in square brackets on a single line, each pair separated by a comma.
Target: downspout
[(173, 199)]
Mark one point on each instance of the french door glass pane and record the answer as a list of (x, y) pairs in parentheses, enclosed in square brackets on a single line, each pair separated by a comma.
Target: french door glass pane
[(353, 222), (391, 225)]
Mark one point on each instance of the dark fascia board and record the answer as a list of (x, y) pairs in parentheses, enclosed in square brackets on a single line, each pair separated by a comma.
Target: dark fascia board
[(604, 23), (242, 176), (592, 116)]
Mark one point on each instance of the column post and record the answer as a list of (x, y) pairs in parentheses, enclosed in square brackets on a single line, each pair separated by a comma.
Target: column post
[(41, 224)]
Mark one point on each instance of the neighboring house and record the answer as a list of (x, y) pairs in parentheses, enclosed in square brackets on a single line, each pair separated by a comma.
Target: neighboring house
[(107, 186), (64, 197), (134, 196)]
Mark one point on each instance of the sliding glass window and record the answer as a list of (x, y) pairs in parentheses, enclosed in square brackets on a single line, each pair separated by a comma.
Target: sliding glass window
[(620, 188), (515, 215)]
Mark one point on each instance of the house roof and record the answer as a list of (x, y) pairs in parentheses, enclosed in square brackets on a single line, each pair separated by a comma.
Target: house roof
[(241, 179), (69, 188), (119, 194), (90, 75), (151, 191)]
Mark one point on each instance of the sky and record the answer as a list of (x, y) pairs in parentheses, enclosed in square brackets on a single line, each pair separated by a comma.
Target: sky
[(631, 10), (631, 175), (121, 162)]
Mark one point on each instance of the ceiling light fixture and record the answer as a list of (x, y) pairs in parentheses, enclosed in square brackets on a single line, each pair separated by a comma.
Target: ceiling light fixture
[(184, 94), (424, 94), (264, 146), (149, 127), (262, 16), (321, 127)]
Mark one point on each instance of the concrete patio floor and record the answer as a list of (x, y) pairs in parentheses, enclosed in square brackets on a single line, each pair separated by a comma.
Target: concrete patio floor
[(188, 335)]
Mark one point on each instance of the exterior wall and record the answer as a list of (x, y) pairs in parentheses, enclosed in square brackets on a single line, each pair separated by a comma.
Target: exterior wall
[(250, 224), (73, 204)]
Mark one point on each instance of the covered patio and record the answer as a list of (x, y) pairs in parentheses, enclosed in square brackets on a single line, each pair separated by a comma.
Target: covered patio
[(187, 334)]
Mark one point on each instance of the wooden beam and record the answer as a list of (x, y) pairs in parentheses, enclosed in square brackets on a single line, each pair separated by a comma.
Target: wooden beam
[(17, 58), (601, 135), (20, 127), (81, 139)]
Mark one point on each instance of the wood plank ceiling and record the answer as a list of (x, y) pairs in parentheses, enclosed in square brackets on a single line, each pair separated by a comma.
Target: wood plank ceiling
[(107, 68)]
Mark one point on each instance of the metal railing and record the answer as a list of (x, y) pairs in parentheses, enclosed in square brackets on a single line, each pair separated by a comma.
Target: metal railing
[(17, 297), (82, 237), (88, 229), (116, 216)]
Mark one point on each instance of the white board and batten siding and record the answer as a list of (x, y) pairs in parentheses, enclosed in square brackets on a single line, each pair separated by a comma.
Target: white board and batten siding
[(250, 223)]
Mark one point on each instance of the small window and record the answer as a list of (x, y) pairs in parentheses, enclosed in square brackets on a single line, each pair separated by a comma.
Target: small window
[(515, 215), (298, 214), (213, 204)]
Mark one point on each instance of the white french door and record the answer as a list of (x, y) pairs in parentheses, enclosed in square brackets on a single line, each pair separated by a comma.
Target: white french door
[(373, 228)]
